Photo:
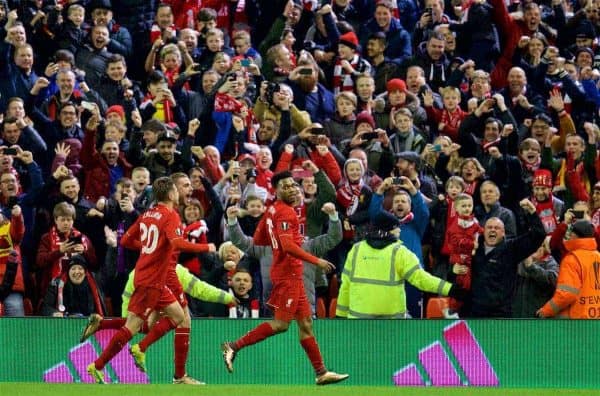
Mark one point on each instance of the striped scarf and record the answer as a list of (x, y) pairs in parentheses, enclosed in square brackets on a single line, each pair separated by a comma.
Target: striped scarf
[(342, 80)]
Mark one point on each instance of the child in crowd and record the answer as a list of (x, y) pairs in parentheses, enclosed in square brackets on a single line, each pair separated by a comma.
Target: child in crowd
[(448, 119), (463, 233), (254, 208), (71, 34), (241, 288), (341, 127), (59, 244), (348, 64)]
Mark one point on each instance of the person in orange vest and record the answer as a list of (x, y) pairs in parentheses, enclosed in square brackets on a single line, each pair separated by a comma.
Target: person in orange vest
[(577, 294)]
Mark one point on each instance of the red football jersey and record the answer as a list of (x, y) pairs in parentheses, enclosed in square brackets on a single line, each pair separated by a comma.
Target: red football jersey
[(155, 229), (280, 219)]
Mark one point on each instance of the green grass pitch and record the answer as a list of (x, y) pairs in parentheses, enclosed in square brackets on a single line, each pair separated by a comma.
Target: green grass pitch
[(34, 389)]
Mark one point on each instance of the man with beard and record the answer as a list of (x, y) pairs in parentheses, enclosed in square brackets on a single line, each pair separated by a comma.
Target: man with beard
[(409, 207), (309, 94), (384, 69), (548, 207), (279, 227), (495, 264), (93, 57), (166, 160)]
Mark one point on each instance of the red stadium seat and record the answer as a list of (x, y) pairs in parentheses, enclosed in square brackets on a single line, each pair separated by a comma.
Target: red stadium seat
[(320, 308), (436, 306), (28, 306), (332, 307)]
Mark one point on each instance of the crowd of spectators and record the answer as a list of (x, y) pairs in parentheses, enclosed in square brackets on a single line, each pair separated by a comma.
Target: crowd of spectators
[(458, 117)]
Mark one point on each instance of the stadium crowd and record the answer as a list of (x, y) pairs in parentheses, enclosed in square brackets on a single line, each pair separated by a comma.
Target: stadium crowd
[(474, 123)]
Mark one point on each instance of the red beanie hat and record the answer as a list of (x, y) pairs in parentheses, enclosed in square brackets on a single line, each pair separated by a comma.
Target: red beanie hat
[(116, 109), (365, 116), (542, 177), (396, 84), (349, 40)]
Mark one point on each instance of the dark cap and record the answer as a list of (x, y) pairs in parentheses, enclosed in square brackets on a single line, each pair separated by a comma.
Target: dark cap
[(104, 4), (583, 229), (77, 259), (585, 30), (385, 221), (168, 136)]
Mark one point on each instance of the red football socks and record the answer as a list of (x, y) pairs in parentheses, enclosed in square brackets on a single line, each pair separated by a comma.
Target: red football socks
[(182, 346), (314, 354), (160, 328), (112, 323), (255, 335), (117, 342)]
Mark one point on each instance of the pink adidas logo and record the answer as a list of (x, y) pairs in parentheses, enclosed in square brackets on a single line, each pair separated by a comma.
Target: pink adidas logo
[(123, 367), (437, 364)]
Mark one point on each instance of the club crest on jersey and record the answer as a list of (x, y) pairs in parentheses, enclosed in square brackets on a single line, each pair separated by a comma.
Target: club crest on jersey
[(179, 231), (285, 226)]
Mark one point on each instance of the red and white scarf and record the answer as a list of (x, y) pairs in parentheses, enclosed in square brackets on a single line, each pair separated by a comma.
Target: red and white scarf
[(342, 80), (227, 103), (545, 211)]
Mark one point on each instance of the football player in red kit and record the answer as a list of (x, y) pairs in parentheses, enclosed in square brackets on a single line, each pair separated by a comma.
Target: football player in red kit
[(279, 228)]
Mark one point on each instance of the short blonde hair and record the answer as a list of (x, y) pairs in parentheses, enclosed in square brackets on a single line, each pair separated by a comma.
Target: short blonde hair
[(169, 49), (349, 96)]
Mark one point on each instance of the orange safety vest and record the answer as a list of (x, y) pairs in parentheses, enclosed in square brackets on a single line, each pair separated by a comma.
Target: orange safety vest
[(577, 294)]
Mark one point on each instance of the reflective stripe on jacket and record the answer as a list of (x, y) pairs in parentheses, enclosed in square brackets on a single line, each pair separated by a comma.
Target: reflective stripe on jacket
[(373, 281)]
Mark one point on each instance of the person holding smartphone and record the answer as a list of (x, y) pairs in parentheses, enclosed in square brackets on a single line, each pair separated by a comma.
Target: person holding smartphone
[(59, 244)]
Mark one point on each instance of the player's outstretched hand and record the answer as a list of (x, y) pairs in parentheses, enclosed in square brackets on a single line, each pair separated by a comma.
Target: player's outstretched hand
[(326, 265)]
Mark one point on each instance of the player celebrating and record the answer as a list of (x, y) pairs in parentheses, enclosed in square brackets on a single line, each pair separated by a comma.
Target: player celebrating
[(279, 228), (157, 234)]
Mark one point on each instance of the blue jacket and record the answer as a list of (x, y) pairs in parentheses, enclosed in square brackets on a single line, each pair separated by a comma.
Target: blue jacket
[(399, 45), (412, 232), (13, 81)]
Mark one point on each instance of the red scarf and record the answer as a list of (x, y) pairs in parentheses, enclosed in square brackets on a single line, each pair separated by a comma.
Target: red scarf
[(227, 103), (453, 119), (471, 187), (348, 195), (545, 211), (407, 219), (196, 233), (531, 168), (486, 145), (342, 80)]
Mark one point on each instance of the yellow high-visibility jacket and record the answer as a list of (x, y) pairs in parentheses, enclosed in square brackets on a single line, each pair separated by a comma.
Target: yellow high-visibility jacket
[(373, 281)]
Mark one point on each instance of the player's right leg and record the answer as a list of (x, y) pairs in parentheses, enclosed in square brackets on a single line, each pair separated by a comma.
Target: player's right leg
[(117, 342), (173, 316), (283, 301), (259, 333)]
